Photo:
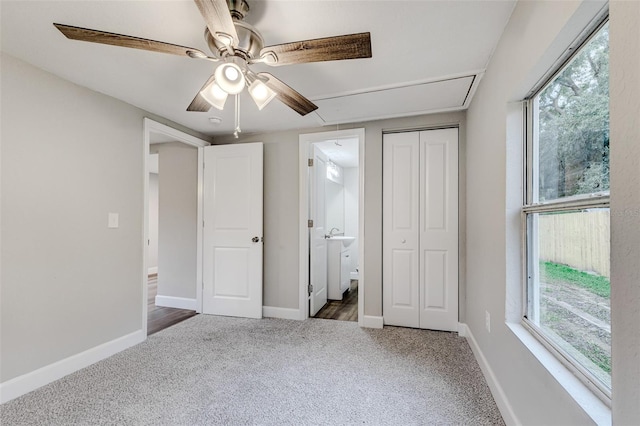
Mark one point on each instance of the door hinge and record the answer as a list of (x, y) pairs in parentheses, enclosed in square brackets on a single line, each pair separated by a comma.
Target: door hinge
[(310, 162), (310, 223), (310, 288)]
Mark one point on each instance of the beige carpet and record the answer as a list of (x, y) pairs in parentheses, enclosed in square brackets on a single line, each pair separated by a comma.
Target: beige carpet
[(216, 370)]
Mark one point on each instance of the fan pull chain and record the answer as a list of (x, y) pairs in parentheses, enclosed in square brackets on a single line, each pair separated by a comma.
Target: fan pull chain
[(235, 133)]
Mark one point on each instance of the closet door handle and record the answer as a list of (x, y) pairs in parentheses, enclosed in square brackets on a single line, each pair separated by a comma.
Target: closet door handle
[(255, 239)]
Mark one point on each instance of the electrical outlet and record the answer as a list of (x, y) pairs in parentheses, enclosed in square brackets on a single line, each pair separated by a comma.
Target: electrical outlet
[(112, 220), (487, 321)]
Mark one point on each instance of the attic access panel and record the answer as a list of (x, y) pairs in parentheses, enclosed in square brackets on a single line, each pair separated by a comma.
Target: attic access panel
[(414, 99)]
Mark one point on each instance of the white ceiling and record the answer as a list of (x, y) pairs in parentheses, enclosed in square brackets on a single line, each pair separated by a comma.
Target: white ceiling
[(428, 55)]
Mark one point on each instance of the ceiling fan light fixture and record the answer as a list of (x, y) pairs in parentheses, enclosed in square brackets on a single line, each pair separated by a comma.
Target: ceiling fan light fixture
[(230, 78), (261, 93), (214, 94)]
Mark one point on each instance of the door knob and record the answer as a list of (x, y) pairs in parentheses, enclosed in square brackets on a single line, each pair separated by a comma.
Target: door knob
[(403, 241), (255, 239)]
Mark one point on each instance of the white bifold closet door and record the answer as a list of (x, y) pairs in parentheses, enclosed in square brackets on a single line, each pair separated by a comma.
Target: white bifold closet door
[(420, 229)]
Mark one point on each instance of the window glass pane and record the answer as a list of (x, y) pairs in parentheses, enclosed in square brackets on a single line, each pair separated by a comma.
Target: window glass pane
[(571, 126), (569, 288)]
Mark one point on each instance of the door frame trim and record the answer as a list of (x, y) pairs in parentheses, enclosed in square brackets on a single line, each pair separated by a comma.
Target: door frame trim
[(305, 142), (150, 126)]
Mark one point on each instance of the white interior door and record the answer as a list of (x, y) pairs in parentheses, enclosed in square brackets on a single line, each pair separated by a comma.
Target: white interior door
[(420, 229), (232, 238), (439, 229), (318, 242), (400, 229)]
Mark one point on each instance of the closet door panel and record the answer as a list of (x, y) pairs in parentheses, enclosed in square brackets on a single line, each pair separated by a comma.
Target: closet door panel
[(435, 273), (438, 243), (435, 186), (400, 229)]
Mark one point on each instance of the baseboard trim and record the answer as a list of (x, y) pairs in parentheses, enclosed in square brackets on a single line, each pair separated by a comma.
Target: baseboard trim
[(496, 390), (462, 329), (176, 302), (26, 383), (369, 321), (152, 270), (282, 313)]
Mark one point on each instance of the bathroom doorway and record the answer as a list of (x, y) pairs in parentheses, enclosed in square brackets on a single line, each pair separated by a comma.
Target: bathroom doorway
[(331, 225)]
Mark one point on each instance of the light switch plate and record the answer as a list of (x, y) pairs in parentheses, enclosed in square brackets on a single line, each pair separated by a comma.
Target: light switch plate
[(113, 220)]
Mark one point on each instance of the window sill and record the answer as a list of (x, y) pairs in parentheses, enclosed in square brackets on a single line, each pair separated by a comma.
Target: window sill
[(593, 406)]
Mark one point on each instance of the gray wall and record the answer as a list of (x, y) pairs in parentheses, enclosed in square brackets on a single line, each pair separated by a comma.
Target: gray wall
[(535, 37), (152, 257), (281, 207), (69, 157), (177, 227)]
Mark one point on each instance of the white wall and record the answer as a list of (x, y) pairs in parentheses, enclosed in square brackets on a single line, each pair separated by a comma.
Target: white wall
[(536, 35), (351, 183), (178, 212), (334, 204)]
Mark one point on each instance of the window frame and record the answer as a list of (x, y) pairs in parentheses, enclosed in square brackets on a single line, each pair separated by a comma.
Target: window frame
[(564, 204)]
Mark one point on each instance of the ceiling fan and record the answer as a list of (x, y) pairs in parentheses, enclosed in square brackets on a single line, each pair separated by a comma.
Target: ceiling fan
[(236, 45)]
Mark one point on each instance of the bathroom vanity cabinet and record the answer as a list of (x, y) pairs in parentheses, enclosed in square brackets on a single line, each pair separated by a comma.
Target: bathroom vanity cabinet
[(338, 270)]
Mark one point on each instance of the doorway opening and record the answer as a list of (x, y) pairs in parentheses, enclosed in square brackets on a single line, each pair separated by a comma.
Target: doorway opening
[(332, 225), (172, 262)]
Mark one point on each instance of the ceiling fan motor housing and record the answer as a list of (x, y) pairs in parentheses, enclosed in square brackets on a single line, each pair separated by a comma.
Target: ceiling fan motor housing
[(250, 42), (238, 9)]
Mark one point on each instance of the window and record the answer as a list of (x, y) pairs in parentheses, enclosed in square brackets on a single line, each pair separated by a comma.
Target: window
[(566, 213)]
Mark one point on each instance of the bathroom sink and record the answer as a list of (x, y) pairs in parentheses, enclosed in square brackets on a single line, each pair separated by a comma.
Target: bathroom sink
[(346, 241)]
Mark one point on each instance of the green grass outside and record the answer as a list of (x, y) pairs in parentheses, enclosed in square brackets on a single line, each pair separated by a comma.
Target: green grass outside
[(599, 357), (555, 273)]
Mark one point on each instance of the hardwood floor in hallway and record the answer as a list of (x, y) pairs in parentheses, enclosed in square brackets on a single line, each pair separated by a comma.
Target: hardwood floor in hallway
[(158, 317), (342, 310)]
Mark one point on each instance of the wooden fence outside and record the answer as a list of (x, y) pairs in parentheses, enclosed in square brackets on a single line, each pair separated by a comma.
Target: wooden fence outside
[(580, 240)]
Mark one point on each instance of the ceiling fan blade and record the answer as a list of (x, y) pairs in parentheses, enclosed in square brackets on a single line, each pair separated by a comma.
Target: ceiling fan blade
[(199, 104), (352, 46), (287, 95), (103, 37), (218, 18)]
